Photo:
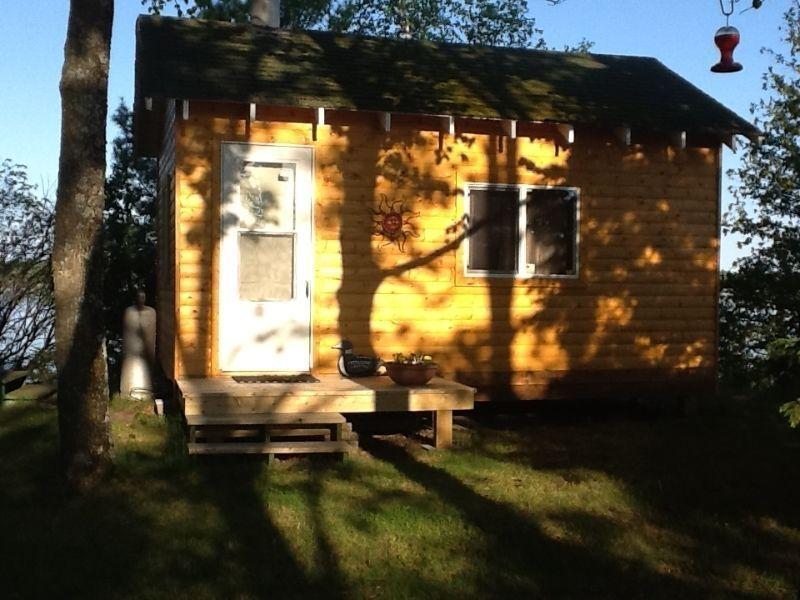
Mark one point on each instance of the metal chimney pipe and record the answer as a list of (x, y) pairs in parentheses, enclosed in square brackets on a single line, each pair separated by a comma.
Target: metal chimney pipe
[(266, 13)]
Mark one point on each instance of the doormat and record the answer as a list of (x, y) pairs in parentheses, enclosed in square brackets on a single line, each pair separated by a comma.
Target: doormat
[(299, 378)]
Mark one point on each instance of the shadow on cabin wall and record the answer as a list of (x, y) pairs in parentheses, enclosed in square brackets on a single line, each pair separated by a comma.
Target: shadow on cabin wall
[(643, 305), (641, 314), (197, 197), (641, 318), (644, 302)]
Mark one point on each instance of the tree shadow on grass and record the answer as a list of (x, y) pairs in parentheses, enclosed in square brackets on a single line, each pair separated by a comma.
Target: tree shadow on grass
[(253, 558), (54, 545), (516, 558), (265, 563), (164, 524), (709, 462), (716, 485), (331, 578), (24, 427)]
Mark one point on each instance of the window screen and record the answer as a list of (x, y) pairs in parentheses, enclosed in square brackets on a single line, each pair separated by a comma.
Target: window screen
[(266, 267), (494, 242), (550, 232)]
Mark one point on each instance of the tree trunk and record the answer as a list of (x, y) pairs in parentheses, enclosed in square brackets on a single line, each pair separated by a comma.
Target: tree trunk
[(77, 247)]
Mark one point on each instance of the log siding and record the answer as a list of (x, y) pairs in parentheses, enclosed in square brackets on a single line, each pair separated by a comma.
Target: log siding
[(643, 306)]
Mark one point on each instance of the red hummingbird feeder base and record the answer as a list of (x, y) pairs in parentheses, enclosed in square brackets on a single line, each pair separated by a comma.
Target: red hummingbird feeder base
[(726, 39)]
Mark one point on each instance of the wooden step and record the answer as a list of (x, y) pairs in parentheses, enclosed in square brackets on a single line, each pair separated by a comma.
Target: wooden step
[(220, 433), (272, 448), (227, 433), (299, 432), (267, 419)]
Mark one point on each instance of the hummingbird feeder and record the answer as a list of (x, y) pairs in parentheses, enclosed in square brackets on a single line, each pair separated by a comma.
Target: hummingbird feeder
[(726, 39)]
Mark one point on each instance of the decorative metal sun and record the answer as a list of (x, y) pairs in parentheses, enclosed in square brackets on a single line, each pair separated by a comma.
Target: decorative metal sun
[(392, 221)]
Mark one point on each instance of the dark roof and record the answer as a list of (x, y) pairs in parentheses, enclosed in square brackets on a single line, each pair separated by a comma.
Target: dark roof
[(213, 60)]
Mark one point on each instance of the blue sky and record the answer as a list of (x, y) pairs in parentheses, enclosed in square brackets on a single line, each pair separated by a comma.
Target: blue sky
[(677, 32)]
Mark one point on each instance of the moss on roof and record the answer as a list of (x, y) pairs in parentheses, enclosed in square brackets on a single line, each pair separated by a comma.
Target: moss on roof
[(212, 60)]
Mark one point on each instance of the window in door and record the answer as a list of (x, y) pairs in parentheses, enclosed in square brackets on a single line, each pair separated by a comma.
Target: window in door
[(266, 266)]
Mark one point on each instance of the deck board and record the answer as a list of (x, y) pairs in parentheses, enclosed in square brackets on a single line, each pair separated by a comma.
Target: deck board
[(338, 447), (266, 419), (222, 395)]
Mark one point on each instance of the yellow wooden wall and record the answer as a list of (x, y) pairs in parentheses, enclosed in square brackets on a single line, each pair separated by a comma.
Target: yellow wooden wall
[(643, 307)]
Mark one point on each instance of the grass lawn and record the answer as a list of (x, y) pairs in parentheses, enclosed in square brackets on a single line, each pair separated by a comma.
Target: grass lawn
[(554, 504)]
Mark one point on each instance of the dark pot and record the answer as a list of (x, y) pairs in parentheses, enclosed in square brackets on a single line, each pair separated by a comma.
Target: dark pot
[(411, 375)]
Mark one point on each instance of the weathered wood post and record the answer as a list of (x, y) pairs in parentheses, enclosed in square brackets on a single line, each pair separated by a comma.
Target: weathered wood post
[(443, 428)]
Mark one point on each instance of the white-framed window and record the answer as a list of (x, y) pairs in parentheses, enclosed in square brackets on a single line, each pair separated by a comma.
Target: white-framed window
[(521, 231)]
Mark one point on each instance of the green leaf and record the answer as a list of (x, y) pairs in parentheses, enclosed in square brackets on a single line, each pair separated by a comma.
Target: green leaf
[(791, 410)]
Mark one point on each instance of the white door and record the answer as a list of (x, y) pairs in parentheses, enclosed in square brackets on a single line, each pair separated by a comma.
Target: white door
[(265, 259)]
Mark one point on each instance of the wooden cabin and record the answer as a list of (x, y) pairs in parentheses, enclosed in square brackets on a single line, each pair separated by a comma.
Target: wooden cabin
[(544, 224)]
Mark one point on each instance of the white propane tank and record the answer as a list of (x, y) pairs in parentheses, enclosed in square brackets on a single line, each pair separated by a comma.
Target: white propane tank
[(138, 350)]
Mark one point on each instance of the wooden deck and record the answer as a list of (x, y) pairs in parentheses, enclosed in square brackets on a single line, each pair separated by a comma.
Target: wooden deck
[(222, 398)]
